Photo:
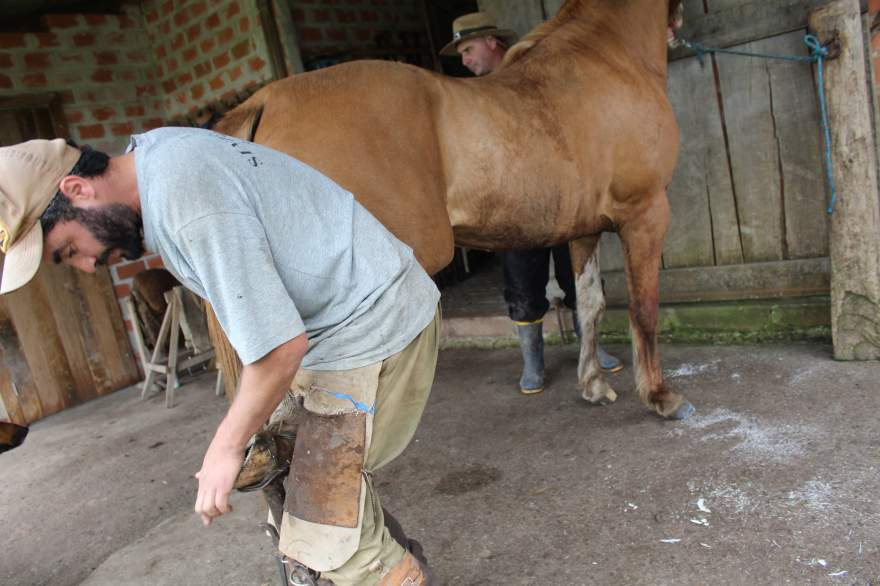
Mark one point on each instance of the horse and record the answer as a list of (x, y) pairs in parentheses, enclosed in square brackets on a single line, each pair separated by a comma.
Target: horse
[(572, 136)]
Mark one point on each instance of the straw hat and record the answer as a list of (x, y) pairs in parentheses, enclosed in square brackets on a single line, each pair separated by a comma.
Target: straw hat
[(29, 176), (471, 26)]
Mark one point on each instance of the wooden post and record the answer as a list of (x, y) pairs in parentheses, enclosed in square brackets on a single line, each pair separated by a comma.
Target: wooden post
[(855, 224)]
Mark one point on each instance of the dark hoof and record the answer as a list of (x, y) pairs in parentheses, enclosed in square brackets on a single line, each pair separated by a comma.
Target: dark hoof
[(684, 411)]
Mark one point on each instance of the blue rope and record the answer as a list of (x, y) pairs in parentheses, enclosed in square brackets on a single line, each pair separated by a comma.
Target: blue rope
[(818, 54)]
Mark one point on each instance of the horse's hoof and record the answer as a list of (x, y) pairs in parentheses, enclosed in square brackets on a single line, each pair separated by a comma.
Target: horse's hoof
[(684, 411)]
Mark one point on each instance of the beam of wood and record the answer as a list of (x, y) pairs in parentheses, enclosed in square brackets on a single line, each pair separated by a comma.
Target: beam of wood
[(855, 225), (747, 22), (794, 278)]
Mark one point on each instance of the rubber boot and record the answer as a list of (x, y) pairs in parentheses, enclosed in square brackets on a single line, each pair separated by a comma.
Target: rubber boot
[(607, 362), (531, 343)]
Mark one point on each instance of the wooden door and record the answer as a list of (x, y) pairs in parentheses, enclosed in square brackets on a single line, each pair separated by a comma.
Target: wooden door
[(62, 337)]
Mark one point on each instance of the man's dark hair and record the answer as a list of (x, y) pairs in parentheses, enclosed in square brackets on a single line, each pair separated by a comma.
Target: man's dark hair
[(91, 163)]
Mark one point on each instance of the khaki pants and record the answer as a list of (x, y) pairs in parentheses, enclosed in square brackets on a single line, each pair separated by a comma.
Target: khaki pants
[(361, 420)]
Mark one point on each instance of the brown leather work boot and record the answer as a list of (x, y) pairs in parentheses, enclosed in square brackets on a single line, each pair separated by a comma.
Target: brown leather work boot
[(407, 572)]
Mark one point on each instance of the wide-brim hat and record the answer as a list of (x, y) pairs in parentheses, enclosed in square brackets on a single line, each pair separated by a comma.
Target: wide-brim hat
[(471, 26), (29, 176)]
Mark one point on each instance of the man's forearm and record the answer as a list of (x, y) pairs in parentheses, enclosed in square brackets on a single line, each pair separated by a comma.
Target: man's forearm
[(261, 389)]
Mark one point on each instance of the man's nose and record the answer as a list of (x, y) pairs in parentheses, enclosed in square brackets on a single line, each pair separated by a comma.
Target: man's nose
[(85, 263)]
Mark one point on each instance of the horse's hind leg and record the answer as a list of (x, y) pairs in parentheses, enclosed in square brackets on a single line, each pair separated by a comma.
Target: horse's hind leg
[(642, 237), (590, 305)]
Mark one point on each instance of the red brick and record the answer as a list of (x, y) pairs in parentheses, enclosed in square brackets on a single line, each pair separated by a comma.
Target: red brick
[(114, 39), (190, 54), (207, 45), (122, 129), (151, 123), (152, 16), (95, 19), (165, 28), (105, 58), (5, 82), (310, 33), (62, 20), (169, 86), (346, 16), (369, 16), (193, 32), (337, 34), (171, 65), (91, 131), (125, 22), (235, 73), (122, 291), (244, 25), (177, 42), (102, 75), (34, 80), (321, 15), (241, 50), (222, 60), (256, 63), (225, 36), (128, 325), (298, 15), (144, 90), (181, 98), (126, 75), (198, 8), (202, 69), (137, 56), (73, 116), (12, 40), (104, 113), (185, 78), (155, 262), (36, 60), (6, 61), (213, 21), (84, 39), (128, 270), (161, 52), (198, 91), (217, 83), (364, 34), (181, 17), (232, 10), (134, 110), (45, 40), (160, 71)]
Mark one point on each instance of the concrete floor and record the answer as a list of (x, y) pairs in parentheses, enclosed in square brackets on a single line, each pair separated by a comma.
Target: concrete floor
[(773, 481)]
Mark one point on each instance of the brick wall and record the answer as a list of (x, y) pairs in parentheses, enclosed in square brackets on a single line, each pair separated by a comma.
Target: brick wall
[(337, 26), (205, 51), (100, 65)]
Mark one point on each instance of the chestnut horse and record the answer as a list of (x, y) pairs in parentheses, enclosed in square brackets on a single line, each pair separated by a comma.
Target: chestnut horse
[(572, 136)]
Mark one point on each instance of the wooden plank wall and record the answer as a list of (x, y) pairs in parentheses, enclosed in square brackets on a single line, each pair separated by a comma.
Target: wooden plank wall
[(750, 185)]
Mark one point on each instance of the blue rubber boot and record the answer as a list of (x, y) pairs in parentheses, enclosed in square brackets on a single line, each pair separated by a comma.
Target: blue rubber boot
[(607, 362), (531, 343)]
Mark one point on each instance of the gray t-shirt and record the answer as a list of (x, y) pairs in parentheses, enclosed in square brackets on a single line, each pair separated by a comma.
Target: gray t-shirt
[(278, 249)]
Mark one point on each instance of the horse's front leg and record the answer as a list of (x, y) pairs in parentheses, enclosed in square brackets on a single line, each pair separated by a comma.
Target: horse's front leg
[(590, 305), (642, 237)]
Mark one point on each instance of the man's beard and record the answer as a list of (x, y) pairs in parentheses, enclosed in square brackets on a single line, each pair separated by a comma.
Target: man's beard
[(116, 226)]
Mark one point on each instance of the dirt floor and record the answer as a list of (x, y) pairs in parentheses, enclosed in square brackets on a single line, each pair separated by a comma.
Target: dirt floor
[(773, 481)]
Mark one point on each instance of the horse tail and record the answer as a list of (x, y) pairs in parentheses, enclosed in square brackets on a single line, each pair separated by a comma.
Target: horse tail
[(243, 120)]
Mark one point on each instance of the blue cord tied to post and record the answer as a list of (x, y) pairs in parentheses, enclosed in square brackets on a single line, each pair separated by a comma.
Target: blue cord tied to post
[(818, 54)]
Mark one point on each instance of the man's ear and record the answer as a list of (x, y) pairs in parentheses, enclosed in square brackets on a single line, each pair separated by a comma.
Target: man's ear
[(76, 188), (492, 43)]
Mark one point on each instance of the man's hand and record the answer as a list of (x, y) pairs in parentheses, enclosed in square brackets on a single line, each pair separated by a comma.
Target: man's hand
[(216, 478), (263, 384)]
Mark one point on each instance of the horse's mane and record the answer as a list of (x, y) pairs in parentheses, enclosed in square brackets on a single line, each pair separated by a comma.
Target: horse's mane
[(566, 13)]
